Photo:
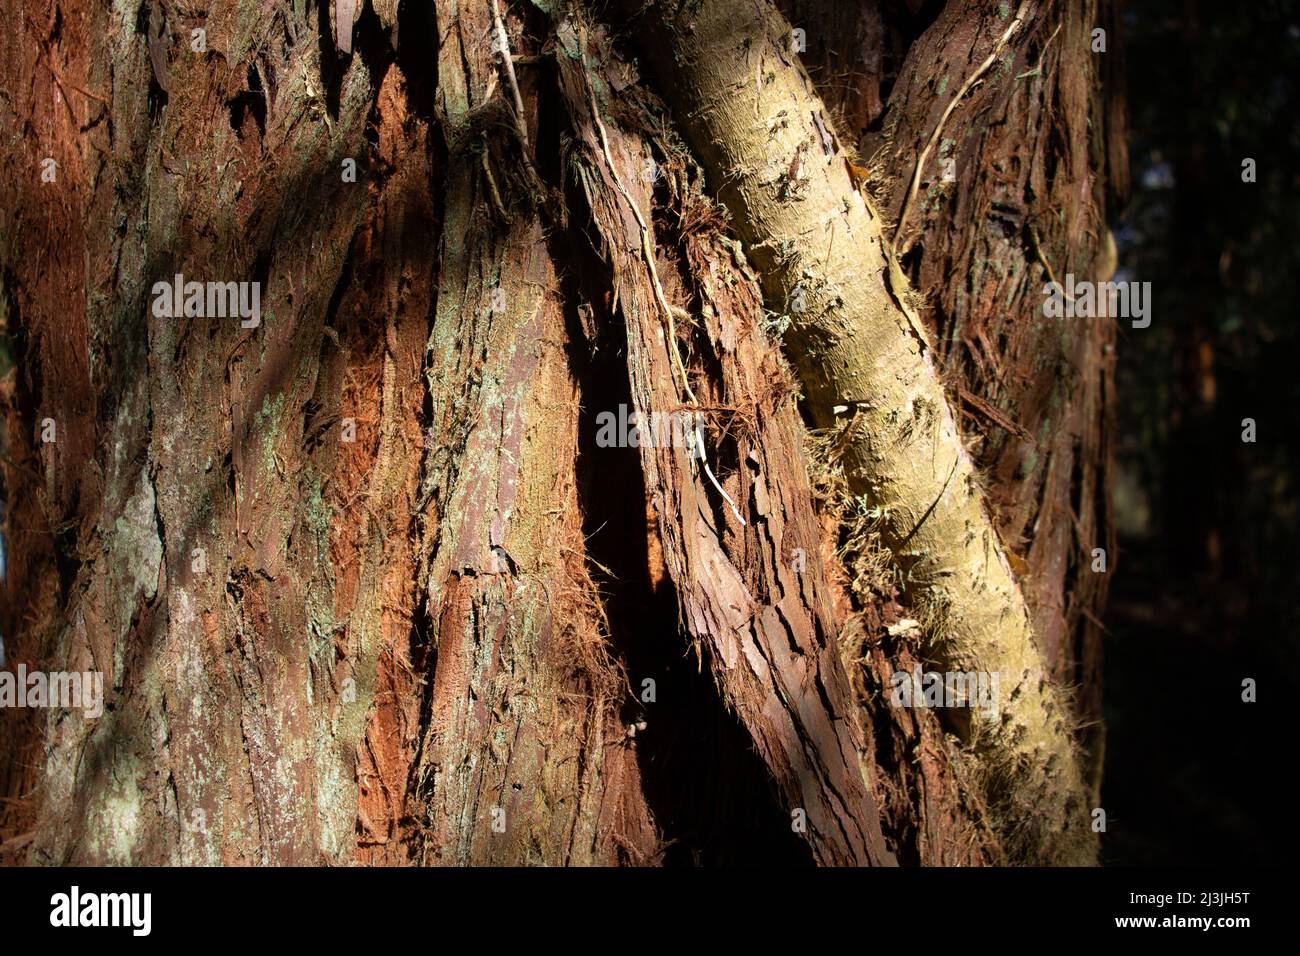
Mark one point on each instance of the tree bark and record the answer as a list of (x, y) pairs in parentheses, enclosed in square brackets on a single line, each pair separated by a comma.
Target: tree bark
[(774, 158), (365, 583)]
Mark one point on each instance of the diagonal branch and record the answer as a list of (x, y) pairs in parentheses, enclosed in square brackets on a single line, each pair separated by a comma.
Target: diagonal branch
[(754, 119)]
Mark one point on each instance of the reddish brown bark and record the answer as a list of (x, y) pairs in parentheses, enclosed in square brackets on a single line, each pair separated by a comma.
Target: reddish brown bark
[(389, 638)]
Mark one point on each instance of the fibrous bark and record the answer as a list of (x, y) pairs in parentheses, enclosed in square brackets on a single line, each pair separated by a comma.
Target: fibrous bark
[(420, 643), (522, 760), (774, 159), (1023, 179), (768, 628)]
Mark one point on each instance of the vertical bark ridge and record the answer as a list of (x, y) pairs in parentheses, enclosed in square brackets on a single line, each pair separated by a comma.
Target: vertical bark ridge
[(521, 760), (769, 630)]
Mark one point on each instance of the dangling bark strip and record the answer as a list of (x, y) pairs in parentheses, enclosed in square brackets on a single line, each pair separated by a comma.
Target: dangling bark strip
[(767, 625), (762, 133)]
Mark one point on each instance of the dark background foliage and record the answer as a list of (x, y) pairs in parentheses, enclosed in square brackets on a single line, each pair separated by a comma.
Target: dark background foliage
[(1204, 589)]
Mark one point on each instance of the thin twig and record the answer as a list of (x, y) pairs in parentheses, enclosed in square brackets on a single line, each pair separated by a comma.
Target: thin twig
[(647, 254), (897, 279), (697, 442), (1051, 276), (1042, 55), (966, 87), (508, 61)]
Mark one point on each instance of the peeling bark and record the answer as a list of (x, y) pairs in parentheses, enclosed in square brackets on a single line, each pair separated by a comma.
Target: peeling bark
[(360, 574), (770, 148), (522, 760), (767, 628), (1038, 162)]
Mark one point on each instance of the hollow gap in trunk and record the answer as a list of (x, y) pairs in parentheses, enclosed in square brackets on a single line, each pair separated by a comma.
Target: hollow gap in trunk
[(417, 66), (711, 796)]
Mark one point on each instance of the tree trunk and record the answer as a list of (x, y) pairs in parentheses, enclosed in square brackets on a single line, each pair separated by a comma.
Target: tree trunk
[(365, 575)]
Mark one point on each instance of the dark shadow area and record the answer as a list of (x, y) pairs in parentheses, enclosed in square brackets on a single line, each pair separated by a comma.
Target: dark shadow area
[(1207, 506), (710, 793)]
